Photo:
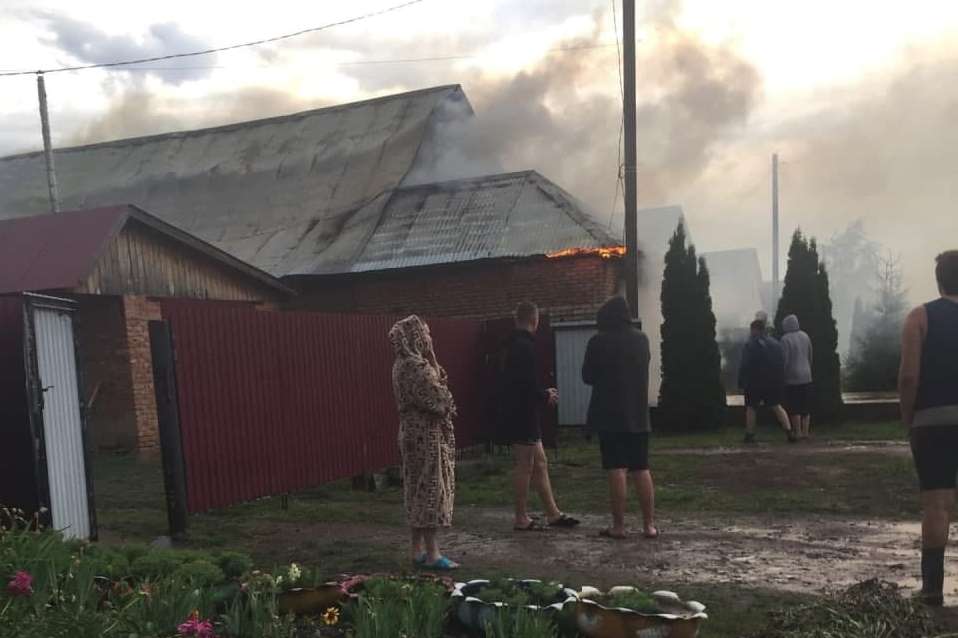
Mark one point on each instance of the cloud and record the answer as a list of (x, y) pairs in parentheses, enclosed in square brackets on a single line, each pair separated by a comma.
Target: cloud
[(89, 45)]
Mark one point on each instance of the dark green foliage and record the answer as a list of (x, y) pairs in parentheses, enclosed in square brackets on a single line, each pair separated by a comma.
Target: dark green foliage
[(234, 564), (692, 396), (200, 573), (806, 295)]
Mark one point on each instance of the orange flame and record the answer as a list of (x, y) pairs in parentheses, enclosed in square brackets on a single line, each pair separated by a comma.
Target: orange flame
[(605, 253)]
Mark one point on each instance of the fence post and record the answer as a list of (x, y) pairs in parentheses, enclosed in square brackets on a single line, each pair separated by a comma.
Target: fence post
[(167, 411)]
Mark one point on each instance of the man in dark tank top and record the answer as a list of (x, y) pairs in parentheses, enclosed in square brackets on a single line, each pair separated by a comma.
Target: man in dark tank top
[(928, 388)]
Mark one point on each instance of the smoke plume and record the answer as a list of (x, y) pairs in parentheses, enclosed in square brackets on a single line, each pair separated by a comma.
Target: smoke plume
[(554, 118)]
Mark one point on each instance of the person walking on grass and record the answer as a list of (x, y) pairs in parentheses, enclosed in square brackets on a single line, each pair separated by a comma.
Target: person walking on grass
[(928, 391), (762, 377), (797, 347), (617, 367), (426, 440), (522, 398)]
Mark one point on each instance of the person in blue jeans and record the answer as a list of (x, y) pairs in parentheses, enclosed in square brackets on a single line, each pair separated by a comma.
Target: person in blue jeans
[(928, 391), (762, 377), (617, 367)]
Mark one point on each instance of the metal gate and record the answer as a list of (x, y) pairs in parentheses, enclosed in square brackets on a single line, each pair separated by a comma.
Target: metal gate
[(43, 465), (574, 395), (62, 424)]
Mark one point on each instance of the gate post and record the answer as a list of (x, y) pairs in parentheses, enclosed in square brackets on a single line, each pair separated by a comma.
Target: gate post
[(167, 412)]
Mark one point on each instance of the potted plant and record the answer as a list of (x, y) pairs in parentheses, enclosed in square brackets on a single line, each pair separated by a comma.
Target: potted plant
[(624, 612), (479, 603)]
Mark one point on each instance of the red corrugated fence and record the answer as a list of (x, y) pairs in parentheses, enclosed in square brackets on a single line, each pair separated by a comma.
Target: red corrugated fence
[(274, 402)]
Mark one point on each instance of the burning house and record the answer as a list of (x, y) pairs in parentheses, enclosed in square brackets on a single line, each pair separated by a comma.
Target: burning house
[(331, 202)]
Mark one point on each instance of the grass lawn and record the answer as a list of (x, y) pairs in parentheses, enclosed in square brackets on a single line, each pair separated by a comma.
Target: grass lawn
[(699, 477)]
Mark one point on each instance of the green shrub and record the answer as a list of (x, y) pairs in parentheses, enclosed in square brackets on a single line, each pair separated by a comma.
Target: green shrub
[(155, 564), (234, 564), (200, 573), (106, 562)]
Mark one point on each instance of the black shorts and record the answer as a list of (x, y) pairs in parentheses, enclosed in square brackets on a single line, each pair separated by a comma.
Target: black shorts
[(798, 399), (624, 450), (524, 434), (935, 450), (754, 397)]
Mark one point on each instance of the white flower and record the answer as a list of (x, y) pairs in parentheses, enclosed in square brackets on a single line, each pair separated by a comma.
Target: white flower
[(294, 572)]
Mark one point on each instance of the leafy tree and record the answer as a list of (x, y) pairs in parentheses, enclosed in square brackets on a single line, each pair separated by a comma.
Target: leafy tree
[(872, 364), (806, 295), (691, 396)]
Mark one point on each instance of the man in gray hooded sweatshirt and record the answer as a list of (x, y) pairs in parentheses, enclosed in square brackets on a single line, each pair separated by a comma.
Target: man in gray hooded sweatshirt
[(798, 376)]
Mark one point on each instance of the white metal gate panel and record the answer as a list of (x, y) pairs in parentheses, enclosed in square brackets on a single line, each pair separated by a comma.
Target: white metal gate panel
[(62, 425), (574, 395)]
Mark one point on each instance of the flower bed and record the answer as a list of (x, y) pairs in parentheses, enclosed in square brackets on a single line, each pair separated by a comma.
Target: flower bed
[(71, 589)]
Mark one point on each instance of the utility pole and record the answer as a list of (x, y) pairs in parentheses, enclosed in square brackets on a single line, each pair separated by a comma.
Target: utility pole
[(631, 187), (47, 146), (776, 291)]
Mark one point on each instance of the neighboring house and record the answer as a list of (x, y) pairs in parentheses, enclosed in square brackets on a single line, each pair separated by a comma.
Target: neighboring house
[(736, 287), (113, 261)]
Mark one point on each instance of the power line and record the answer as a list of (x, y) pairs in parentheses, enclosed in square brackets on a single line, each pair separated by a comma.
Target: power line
[(220, 49), (467, 56)]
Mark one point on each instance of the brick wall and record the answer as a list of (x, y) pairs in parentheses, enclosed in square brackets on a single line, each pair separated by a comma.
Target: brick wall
[(104, 366), (568, 289), (138, 311), (114, 350)]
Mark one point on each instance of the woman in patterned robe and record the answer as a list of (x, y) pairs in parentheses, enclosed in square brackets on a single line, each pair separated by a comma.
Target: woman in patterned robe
[(426, 440)]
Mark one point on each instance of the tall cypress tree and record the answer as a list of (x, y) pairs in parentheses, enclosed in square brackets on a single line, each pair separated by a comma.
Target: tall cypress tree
[(691, 396), (806, 295)]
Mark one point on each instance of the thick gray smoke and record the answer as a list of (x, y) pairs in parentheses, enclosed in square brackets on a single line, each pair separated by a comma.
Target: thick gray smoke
[(551, 118), (88, 44)]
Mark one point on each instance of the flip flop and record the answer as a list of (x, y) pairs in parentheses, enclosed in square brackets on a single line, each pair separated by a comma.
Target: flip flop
[(564, 521), (443, 564), (533, 526), (607, 533)]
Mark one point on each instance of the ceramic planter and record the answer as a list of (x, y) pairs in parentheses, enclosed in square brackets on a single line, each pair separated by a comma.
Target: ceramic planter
[(473, 612), (676, 619)]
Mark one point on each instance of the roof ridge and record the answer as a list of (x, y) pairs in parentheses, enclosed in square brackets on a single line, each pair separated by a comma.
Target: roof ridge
[(489, 177), (222, 128), (570, 207)]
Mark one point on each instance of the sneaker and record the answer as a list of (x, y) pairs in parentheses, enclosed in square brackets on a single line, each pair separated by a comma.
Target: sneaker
[(749, 438)]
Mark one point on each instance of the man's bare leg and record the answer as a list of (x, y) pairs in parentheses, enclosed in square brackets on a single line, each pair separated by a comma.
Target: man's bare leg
[(524, 463), (750, 418), (540, 480), (806, 426), (646, 488), (618, 493)]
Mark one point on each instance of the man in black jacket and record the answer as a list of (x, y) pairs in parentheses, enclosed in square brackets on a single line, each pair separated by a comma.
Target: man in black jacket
[(761, 376), (522, 397), (617, 367)]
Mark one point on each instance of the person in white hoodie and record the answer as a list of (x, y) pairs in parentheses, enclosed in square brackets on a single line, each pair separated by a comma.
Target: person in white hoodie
[(798, 376)]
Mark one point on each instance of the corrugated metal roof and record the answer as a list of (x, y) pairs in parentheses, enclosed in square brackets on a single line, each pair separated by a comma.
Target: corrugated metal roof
[(57, 252), (276, 193), (497, 216)]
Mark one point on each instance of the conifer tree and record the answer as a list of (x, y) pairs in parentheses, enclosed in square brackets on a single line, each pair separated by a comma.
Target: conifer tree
[(806, 295), (691, 396)]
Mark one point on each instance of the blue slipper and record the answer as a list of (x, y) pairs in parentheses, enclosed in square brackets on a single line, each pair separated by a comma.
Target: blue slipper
[(441, 565)]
